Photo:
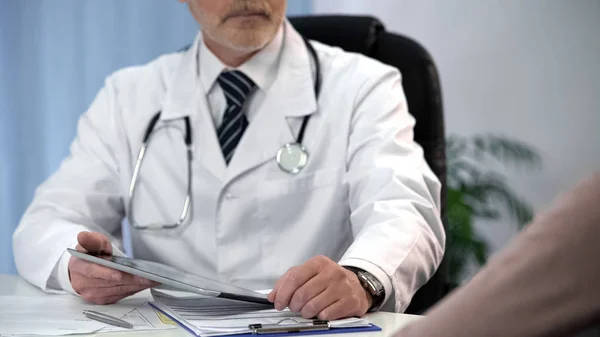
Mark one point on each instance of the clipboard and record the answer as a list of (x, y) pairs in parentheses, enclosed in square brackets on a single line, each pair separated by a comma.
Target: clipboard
[(307, 331), (269, 329), (316, 327)]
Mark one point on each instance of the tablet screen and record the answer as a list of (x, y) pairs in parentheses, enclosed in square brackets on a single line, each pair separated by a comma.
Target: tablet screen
[(173, 277)]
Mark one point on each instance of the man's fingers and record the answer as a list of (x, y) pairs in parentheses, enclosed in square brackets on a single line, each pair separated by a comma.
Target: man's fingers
[(310, 265), (83, 282), (94, 242), (92, 270), (290, 282), (126, 278), (119, 290), (95, 271), (336, 310), (315, 305), (272, 295), (308, 291), (109, 300)]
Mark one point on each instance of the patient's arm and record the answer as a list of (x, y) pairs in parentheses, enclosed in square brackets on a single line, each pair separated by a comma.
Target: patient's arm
[(545, 283)]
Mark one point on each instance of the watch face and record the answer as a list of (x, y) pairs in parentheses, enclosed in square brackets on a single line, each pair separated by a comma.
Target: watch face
[(368, 284)]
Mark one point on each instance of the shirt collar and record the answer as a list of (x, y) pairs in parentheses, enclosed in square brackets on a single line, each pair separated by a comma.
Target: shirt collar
[(261, 68)]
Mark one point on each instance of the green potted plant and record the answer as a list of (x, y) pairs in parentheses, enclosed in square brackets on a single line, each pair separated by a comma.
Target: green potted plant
[(476, 191)]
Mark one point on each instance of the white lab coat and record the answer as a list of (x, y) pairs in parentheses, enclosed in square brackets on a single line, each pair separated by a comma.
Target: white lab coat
[(366, 197)]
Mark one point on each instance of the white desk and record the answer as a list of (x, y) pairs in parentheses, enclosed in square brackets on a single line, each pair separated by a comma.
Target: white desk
[(389, 322)]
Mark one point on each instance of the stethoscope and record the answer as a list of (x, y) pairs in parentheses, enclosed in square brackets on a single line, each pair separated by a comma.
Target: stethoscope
[(292, 157)]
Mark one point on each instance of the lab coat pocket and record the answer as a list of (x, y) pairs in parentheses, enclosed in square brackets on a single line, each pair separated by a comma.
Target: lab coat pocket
[(303, 217), (302, 184), (289, 201)]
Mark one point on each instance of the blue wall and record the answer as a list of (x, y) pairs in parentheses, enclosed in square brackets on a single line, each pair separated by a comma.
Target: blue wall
[(299, 7), (54, 56)]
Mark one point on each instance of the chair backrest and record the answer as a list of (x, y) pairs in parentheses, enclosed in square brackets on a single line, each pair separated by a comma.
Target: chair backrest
[(367, 35)]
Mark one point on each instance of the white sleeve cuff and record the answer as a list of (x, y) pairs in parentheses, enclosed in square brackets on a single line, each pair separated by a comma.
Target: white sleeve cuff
[(374, 270), (63, 273), (58, 281)]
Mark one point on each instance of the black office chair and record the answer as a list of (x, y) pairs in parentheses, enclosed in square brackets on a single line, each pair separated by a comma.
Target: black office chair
[(367, 35)]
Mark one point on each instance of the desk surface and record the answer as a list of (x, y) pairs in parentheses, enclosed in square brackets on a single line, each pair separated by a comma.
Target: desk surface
[(389, 322)]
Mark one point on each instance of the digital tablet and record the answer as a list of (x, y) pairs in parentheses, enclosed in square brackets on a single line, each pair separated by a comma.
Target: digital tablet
[(174, 278)]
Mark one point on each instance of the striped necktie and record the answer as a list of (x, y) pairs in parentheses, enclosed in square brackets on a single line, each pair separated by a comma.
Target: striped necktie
[(237, 88)]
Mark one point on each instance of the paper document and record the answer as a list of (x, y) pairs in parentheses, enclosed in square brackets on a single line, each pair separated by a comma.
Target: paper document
[(62, 315), (209, 316), (55, 315), (144, 318)]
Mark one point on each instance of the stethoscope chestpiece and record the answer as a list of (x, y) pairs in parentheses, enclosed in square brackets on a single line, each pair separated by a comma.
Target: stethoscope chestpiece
[(292, 158)]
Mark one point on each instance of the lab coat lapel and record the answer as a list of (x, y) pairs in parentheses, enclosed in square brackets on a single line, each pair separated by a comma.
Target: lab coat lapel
[(185, 97), (290, 97)]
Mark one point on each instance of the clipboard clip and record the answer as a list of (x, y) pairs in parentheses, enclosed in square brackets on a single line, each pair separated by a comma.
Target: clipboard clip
[(263, 329)]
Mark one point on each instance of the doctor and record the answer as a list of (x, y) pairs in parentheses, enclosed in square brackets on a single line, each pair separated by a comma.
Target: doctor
[(302, 174)]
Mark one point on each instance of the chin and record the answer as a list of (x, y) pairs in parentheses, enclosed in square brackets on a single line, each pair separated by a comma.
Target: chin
[(248, 41)]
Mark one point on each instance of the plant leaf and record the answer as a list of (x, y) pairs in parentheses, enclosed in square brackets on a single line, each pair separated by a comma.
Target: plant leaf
[(462, 172), (507, 151), (486, 213), (480, 250), (455, 146), (491, 189)]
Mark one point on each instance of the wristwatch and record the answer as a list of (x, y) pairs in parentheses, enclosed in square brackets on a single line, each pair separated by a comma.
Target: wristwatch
[(372, 285)]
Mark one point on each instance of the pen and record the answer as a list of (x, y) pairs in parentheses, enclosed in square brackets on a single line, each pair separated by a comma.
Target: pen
[(104, 318)]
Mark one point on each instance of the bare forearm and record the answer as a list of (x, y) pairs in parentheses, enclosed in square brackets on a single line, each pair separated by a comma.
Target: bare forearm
[(544, 284)]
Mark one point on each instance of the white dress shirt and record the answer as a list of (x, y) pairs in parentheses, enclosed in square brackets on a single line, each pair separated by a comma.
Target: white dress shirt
[(261, 68)]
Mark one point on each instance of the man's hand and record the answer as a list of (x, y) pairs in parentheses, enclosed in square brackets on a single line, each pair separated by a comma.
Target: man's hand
[(99, 284), (321, 288)]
